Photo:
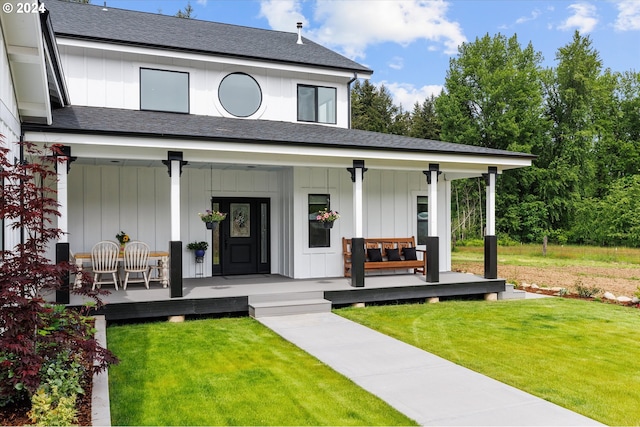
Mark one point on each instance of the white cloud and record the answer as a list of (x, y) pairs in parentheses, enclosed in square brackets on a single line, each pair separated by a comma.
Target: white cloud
[(202, 2), (407, 95), (352, 26), (628, 15), (282, 15), (397, 63), (534, 15), (584, 18)]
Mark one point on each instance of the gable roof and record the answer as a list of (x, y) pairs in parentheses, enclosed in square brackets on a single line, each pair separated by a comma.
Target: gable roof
[(92, 22), (121, 122)]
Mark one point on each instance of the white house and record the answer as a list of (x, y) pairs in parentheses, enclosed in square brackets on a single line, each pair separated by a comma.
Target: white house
[(166, 117)]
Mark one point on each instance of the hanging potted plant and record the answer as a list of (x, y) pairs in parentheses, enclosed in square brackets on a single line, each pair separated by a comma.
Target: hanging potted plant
[(198, 247), (327, 217), (212, 218)]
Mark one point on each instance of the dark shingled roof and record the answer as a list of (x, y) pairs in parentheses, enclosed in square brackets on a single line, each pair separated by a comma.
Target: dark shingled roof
[(86, 21), (111, 121)]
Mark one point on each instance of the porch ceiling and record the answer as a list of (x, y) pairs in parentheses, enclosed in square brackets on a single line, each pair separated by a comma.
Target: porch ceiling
[(113, 161)]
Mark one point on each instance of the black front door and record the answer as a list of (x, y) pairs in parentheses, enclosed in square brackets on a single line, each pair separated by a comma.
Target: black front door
[(244, 236)]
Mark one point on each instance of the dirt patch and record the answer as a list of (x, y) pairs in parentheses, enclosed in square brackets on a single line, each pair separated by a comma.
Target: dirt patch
[(618, 281)]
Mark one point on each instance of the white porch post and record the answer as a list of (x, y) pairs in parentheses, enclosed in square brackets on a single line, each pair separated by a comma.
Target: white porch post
[(175, 199), (490, 239), (62, 155), (174, 164), (357, 241), (491, 203), (433, 245), (63, 199)]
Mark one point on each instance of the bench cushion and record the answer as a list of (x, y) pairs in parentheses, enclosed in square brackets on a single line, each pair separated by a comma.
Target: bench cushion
[(409, 253), (374, 255), (393, 255)]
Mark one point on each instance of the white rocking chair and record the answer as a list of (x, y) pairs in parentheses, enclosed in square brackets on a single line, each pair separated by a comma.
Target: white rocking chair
[(104, 260), (136, 260)]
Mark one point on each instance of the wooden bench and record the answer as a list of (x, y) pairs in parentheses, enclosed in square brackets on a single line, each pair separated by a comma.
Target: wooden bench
[(383, 244)]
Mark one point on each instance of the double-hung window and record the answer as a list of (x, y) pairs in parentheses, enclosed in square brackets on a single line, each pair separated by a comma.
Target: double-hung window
[(162, 90), (316, 104)]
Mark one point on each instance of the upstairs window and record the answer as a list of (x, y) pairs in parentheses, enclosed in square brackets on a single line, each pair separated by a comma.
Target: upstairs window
[(316, 104), (164, 90), (240, 94)]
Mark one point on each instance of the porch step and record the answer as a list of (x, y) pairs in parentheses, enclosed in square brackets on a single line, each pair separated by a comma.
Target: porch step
[(511, 293), (288, 303)]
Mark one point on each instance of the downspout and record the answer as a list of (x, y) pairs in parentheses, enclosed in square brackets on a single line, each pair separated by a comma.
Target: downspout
[(355, 77)]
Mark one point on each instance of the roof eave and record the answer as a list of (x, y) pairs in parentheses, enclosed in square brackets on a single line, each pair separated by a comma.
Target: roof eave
[(362, 71), (26, 53), (226, 139)]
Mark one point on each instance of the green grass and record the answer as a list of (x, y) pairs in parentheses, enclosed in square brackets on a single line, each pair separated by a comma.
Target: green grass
[(584, 356), (229, 372), (557, 255)]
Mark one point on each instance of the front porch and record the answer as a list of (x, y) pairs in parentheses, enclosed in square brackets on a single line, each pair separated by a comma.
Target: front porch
[(221, 295)]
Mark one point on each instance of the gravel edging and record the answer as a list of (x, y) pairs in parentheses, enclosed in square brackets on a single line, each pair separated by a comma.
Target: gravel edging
[(100, 410)]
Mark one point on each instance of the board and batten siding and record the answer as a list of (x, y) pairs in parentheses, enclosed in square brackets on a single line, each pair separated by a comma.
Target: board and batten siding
[(104, 200), (9, 131), (102, 78), (390, 210), (107, 199)]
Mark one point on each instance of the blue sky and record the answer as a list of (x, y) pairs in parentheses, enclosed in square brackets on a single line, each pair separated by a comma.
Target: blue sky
[(408, 44)]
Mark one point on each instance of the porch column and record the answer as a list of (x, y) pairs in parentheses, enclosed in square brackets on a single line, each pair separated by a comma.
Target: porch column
[(433, 243), (174, 163), (490, 238), (357, 241), (63, 158)]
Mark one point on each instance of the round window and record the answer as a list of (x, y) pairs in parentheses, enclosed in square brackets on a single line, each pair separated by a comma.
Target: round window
[(240, 94)]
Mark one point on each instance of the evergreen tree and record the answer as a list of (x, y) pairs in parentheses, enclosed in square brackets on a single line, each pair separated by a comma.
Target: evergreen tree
[(424, 120), (187, 12), (373, 109), (574, 91)]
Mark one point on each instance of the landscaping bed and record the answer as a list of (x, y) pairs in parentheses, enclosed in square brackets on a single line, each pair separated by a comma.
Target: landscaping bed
[(16, 414)]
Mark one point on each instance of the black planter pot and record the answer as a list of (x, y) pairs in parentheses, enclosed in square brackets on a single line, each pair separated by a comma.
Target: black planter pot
[(211, 225), (327, 224)]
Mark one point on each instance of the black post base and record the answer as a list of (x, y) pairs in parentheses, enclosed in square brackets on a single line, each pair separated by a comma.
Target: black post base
[(175, 268), (433, 259), (62, 255), (357, 262), (490, 257)]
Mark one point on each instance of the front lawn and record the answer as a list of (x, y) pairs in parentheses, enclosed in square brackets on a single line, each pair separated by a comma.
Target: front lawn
[(229, 372), (584, 356)]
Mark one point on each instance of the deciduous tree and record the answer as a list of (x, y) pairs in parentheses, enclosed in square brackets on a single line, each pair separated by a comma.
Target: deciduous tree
[(493, 99)]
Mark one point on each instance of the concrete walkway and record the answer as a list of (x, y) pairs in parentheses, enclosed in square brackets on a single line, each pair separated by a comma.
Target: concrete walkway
[(426, 388)]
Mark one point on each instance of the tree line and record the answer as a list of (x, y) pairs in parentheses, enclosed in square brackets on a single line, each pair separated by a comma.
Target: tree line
[(582, 121)]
